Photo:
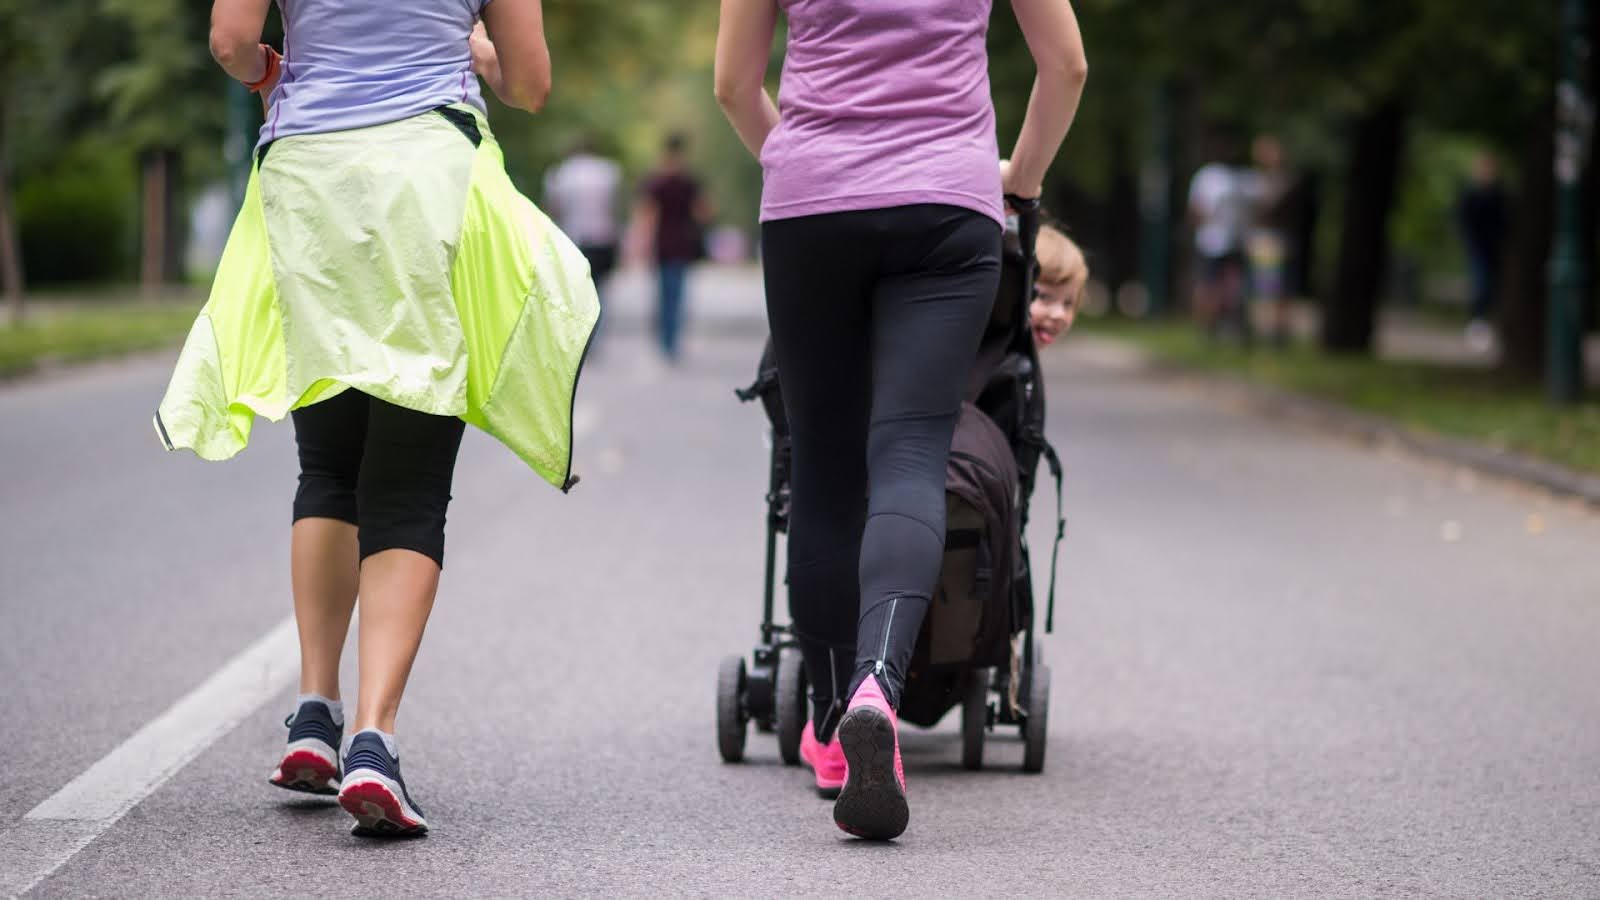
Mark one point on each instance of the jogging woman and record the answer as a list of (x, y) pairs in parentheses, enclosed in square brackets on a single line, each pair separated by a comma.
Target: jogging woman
[(881, 226), (385, 283)]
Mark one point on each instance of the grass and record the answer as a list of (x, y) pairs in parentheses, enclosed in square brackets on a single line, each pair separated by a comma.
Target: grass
[(1472, 404), (72, 332)]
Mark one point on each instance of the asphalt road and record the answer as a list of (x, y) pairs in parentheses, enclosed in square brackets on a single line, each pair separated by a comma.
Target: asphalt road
[(1285, 665)]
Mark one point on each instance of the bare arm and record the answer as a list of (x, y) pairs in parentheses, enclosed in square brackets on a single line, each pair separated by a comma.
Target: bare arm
[(744, 43), (511, 56), (1051, 30), (236, 27)]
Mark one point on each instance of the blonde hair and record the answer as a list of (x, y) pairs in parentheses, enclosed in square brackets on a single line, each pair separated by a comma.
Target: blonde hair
[(1060, 260)]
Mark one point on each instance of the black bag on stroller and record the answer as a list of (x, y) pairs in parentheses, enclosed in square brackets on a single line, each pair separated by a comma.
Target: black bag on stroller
[(971, 619)]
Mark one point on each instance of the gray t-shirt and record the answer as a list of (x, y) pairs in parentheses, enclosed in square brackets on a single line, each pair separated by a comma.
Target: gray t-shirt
[(581, 194), (1223, 199), (354, 63)]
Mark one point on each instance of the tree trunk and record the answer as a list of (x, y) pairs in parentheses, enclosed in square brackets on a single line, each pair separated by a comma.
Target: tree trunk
[(11, 276), (1189, 143), (1591, 197), (176, 230), (1122, 214), (153, 255), (1306, 210), (1526, 282), (1376, 147)]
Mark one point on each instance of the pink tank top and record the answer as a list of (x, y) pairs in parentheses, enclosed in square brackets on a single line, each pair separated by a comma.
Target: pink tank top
[(883, 103)]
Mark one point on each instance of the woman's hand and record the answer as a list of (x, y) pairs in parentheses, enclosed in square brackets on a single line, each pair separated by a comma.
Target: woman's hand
[(1011, 186), (1051, 31), (485, 60), (274, 75), (744, 43)]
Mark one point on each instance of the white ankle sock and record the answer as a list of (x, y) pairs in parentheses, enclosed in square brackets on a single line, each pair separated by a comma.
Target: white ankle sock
[(388, 740), (335, 707)]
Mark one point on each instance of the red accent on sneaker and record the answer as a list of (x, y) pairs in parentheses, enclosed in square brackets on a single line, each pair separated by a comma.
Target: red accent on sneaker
[(369, 800), (304, 770)]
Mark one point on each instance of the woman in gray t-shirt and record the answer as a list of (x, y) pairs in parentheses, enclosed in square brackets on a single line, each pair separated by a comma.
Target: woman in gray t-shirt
[(376, 284)]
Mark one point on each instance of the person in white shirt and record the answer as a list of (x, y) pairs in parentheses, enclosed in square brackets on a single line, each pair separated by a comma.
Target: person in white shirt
[(1222, 201), (580, 193)]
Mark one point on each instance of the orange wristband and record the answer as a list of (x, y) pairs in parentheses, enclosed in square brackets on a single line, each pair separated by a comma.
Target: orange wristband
[(274, 64)]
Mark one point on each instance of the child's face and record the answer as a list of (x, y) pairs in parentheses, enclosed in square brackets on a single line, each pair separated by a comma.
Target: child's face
[(1054, 307)]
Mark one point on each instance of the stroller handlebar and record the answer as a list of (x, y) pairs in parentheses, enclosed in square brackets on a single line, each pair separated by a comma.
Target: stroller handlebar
[(1028, 214)]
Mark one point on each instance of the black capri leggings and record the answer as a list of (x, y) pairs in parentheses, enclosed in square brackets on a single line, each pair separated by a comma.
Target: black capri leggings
[(876, 318), (381, 467)]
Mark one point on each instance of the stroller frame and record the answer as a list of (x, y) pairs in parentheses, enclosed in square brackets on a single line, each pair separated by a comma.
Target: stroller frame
[(770, 691)]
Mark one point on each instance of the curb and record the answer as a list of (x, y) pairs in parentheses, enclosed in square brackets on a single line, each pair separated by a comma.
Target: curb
[(1280, 403)]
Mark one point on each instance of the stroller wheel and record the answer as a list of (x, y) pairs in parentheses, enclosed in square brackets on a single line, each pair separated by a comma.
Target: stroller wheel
[(974, 719), (791, 704), (731, 714), (1036, 730)]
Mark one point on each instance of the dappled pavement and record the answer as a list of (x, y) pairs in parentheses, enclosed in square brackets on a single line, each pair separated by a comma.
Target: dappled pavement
[(1284, 663)]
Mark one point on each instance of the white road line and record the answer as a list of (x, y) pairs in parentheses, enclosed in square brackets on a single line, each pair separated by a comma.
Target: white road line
[(55, 830), (68, 821)]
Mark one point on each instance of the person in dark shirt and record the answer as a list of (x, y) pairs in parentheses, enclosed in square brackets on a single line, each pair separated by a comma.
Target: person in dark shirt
[(672, 213), (1483, 221)]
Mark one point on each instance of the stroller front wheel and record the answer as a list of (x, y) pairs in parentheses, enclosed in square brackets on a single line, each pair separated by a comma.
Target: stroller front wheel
[(791, 704), (974, 719), (1036, 728), (731, 712)]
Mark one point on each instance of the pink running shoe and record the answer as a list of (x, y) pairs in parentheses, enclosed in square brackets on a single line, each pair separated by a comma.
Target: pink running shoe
[(872, 803), (826, 760)]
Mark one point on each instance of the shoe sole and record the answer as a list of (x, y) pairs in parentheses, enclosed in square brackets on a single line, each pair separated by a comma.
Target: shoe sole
[(872, 804), (379, 807), (308, 768)]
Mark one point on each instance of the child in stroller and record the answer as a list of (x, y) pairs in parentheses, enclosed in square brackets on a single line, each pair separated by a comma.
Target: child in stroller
[(977, 648), (1058, 289)]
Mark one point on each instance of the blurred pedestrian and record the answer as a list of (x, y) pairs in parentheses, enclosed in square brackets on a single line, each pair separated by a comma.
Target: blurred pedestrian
[(672, 212), (1481, 215), (1222, 200), (1268, 242), (581, 194), (882, 216), (382, 277)]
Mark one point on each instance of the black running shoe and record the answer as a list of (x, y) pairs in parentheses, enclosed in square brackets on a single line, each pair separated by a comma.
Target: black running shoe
[(311, 761), (374, 792)]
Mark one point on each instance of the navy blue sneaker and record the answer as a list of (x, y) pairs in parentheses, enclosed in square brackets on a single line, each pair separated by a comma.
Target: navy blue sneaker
[(311, 761), (374, 792)]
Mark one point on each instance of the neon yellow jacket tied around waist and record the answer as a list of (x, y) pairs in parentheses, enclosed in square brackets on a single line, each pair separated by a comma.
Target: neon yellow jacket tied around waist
[(398, 260)]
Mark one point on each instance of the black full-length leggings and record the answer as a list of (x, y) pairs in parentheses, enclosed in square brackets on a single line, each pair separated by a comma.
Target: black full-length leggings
[(383, 468), (876, 317)]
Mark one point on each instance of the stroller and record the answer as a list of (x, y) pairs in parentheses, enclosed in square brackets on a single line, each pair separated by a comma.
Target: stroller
[(978, 647)]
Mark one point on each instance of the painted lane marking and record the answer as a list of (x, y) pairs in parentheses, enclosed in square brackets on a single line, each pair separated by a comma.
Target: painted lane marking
[(66, 822)]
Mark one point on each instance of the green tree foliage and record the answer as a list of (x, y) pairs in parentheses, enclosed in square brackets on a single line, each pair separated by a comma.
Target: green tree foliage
[(164, 93), (1335, 76), (132, 79)]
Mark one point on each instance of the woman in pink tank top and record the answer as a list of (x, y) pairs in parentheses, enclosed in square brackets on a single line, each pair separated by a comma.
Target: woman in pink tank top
[(881, 225)]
